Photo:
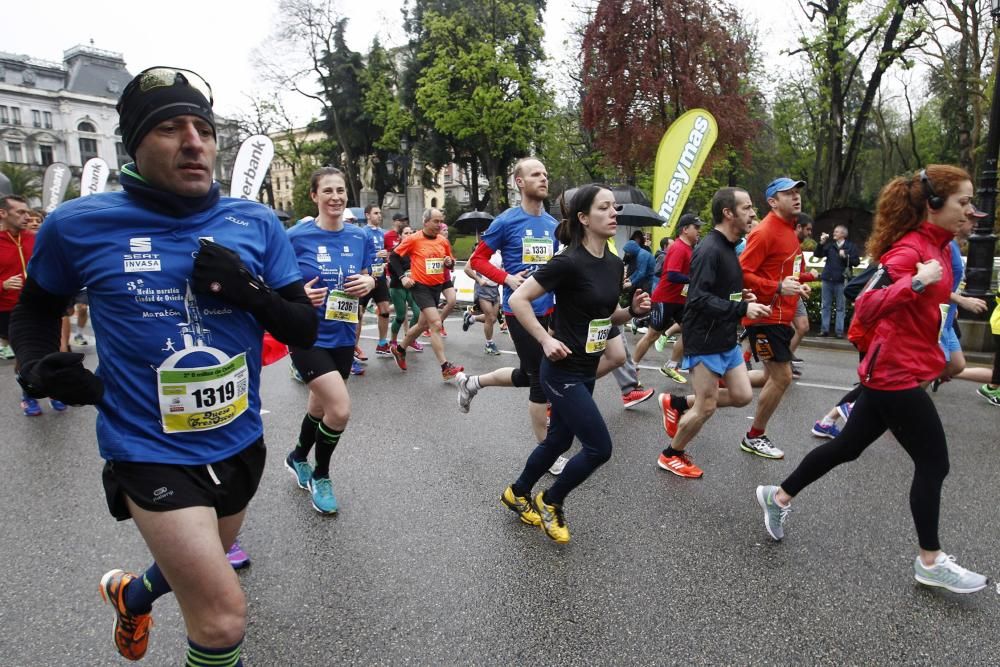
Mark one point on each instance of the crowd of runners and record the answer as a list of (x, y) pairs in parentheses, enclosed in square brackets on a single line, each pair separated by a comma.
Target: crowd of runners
[(182, 285)]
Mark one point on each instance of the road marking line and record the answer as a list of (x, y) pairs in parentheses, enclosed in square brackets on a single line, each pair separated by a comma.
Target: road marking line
[(823, 386)]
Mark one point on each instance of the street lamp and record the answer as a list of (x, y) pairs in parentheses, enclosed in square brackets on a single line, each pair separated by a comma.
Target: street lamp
[(979, 267), (404, 178)]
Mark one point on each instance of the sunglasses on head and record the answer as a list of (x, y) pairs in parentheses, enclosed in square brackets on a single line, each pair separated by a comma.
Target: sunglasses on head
[(163, 77)]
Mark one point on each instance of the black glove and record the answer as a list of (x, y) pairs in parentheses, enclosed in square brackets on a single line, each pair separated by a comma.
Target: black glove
[(220, 272), (61, 375)]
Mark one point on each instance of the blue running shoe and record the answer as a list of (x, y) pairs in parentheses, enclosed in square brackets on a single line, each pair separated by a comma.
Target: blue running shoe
[(30, 407), (356, 368), (844, 410), (323, 500), (58, 406), (822, 431), (301, 469)]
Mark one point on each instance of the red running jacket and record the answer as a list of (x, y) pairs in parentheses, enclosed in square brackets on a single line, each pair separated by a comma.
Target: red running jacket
[(904, 350), (14, 255)]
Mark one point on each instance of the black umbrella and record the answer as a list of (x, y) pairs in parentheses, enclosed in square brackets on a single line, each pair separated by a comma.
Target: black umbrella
[(637, 215), (473, 222), (627, 194), (624, 194)]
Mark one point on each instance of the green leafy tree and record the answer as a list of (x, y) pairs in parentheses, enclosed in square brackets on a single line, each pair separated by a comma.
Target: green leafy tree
[(474, 85), (23, 180), (852, 47)]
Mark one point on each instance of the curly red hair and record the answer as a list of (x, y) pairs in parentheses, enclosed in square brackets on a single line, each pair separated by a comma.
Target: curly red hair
[(902, 204)]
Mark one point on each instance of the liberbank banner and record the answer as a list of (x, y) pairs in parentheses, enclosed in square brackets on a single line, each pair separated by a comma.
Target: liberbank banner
[(54, 185), (251, 165), (679, 159)]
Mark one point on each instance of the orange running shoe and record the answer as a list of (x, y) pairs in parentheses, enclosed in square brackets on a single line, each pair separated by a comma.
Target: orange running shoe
[(670, 415), (680, 464), (449, 371), (131, 632)]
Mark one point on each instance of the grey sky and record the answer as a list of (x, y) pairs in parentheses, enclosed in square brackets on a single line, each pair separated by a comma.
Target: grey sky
[(216, 38)]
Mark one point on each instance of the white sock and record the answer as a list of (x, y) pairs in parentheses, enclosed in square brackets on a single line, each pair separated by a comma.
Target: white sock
[(671, 364), (826, 421), (473, 383)]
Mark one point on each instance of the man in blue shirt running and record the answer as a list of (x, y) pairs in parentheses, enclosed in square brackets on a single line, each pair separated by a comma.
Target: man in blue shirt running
[(182, 284)]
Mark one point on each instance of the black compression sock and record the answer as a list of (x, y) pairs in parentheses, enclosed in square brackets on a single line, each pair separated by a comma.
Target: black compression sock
[(679, 403), (307, 436)]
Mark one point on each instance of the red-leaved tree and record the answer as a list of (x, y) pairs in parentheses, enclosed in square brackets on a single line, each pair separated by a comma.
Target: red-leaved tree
[(645, 62)]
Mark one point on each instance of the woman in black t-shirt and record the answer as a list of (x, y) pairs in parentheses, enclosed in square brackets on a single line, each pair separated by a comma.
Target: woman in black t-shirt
[(586, 278)]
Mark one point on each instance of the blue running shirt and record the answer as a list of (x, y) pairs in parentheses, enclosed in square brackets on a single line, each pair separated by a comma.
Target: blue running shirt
[(152, 330), (333, 256), (377, 237), (525, 242)]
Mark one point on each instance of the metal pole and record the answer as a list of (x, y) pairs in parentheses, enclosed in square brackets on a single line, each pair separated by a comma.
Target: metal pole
[(979, 267)]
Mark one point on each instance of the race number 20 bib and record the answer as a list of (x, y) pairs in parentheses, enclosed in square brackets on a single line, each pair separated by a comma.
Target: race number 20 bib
[(536, 251), (342, 307), (434, 266), (597, 335), (203, 398), (378, 270)]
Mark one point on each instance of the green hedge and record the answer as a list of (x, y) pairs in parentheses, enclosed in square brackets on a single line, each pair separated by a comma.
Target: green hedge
[(814, 307)]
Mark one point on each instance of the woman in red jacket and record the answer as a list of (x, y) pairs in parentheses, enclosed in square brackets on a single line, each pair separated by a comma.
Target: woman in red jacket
[(915, 220)]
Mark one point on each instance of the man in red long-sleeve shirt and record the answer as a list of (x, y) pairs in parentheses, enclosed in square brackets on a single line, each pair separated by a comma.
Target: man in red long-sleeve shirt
[(773, 269)]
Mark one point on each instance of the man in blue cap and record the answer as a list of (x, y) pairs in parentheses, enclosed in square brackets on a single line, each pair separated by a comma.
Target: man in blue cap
[(774, 270)]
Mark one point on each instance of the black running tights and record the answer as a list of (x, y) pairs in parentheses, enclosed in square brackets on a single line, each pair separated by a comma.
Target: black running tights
[(912, 418)]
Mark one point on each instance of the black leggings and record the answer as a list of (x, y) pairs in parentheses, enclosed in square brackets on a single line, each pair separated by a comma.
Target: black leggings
[(574, 414), (911, 416), (996, 359)]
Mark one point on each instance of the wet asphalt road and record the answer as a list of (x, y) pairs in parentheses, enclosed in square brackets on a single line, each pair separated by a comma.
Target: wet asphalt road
[(423, 566)]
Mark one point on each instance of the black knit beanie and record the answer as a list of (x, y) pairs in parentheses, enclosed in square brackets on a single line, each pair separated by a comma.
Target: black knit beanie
[(142, 105)]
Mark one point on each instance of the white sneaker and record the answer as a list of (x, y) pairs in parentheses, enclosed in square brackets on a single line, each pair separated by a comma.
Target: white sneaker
[(559, 465), (465, 392), (946, 573), (761, 446)]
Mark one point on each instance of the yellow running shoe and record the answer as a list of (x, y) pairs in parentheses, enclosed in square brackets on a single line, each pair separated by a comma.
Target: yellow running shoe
[(131, 633), (673, 374), (553, 521), (521, 506)]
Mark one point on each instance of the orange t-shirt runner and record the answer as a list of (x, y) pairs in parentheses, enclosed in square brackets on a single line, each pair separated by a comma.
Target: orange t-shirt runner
[(427, 257)]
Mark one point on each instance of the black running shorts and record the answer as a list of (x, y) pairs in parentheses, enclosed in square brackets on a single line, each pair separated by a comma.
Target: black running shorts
[(771, 342), (426, 296), (379, 293), (318, 361), (663, 315), (226, 485)]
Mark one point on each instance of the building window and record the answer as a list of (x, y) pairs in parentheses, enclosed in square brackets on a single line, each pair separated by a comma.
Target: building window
[(47, 119), (46, 154), (36, 117), (4, 115), (123, 157), (88, 149), (14, 152), (86, 126), (15, 115)]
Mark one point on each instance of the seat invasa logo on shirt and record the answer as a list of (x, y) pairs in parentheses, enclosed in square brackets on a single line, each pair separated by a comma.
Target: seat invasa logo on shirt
[(140, 257)]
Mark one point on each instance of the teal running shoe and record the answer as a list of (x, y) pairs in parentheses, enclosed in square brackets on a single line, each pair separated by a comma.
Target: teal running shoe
[(323, 500), (301, 469)]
